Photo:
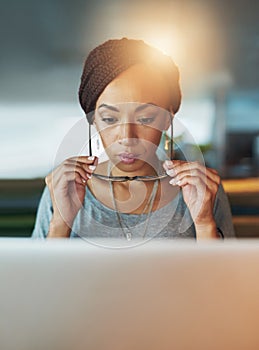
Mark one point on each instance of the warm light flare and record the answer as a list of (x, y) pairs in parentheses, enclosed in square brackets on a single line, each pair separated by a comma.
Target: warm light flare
[(165, 42), (190, 35)]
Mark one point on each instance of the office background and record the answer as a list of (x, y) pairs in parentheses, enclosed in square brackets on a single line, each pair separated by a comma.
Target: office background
[(215, 43)]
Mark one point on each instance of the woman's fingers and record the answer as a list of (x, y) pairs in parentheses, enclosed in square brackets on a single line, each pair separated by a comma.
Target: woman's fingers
[(71, 173), (194, 177), (205, 181), (80, 165), (87, 165), (185, 179), (92, 160), (176, 168), (201, 182), (78, 169), (61, 177), (84, 170)]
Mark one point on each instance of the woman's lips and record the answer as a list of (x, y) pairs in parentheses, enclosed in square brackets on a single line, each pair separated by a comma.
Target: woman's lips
[(128, 158)]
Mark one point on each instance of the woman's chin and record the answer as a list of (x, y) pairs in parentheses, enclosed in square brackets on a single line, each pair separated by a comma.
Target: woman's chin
[(127, 165), (136, 167), (130, 166)]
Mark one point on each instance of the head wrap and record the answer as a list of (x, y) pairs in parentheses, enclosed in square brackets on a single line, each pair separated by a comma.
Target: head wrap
[(108, 60)]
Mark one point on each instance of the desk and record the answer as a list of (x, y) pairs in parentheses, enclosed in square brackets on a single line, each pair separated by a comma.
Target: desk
[(243, 195)]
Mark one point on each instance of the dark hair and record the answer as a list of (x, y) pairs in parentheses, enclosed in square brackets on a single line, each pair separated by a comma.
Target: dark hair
[(108, 60)]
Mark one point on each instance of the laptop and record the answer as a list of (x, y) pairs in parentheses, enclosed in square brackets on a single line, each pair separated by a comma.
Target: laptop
[(74, 294)]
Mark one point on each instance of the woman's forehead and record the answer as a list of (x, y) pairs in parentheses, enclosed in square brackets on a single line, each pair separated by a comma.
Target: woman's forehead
[(138, 84)]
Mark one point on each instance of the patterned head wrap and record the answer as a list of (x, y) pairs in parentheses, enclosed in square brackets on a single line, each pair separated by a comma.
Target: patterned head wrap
[(108, 60)]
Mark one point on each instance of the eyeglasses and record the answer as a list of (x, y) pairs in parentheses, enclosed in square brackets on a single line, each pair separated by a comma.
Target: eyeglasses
[(131, 178)]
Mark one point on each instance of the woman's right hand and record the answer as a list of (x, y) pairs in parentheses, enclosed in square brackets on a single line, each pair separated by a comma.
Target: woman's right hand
[(67, 190)]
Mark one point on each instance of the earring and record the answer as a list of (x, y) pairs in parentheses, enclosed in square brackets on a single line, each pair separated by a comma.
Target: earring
[(166, 141), (98, 144)]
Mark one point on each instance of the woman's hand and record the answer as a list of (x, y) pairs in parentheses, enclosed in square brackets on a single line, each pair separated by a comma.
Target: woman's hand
[(199, 187), (67, 189)]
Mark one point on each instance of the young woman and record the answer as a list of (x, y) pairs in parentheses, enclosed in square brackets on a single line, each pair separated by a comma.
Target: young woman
[(130, 92)]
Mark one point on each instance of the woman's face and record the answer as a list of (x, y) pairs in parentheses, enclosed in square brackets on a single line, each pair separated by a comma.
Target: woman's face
[(130, 116)]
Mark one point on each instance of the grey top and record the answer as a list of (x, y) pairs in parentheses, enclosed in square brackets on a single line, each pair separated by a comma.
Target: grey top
[(97, 220)]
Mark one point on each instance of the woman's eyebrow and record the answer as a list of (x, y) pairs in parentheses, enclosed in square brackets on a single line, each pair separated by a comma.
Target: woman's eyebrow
[(138, 109), (112, 108), (145, 105)]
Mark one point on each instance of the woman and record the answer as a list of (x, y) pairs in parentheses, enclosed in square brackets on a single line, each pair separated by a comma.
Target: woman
[(130, 92)]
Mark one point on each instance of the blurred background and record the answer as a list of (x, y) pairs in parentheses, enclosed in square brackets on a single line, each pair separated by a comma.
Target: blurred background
[(215, 43)]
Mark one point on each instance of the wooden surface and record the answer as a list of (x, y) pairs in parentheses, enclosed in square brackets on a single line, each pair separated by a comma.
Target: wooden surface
[(243, 196), (241, 186), (242, 191)]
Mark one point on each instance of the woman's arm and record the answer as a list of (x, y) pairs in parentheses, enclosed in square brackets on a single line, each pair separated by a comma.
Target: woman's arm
[(44, 215)]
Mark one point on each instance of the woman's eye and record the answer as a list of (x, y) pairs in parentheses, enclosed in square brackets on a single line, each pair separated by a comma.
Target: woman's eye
[(146, 120), (109, 120)]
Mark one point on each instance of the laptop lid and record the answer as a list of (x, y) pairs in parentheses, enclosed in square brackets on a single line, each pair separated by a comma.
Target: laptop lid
[(159, 295)]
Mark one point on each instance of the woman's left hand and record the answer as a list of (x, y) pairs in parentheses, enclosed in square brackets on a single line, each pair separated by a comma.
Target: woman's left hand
[(199, 187)]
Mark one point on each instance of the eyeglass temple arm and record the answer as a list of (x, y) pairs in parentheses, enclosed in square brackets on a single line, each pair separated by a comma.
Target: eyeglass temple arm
[(90, 140), (171, 137)]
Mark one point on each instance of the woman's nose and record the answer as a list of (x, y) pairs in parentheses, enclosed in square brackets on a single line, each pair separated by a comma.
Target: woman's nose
[(128, 135)]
